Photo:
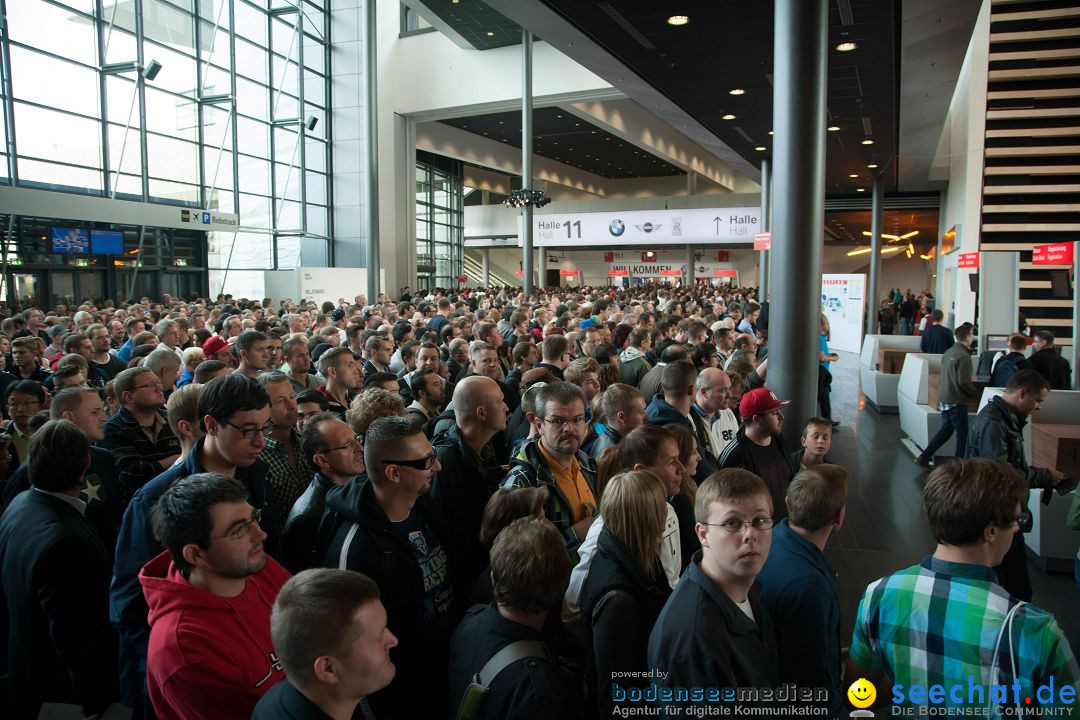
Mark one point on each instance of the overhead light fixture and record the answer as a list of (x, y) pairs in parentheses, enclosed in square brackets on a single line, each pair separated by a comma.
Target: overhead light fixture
[(770, 132), (911, 248), (890, 237), (312, 121), (521, 198), (867, 233), (833, 128), (760, 148), (491, 34), (853, 175), (846, 47), (911, 234), (872, 166), (678, 20), (860, 189), (867, 141), (736, 91), (859, 251), (894, 248), (151, 70), (729, 116), (927, 257)]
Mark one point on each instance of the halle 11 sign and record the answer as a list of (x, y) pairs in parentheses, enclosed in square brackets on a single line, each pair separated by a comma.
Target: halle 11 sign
[(716, 226)]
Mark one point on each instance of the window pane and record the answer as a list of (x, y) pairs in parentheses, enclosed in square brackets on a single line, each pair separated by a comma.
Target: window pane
[(215, 47), (119, 93), (238, 283), (287, 180), (254, 175), (47, 27), (288, 251), (168, 24), (285, 39), (252, 250), (316, 220), (316, 187), (218, 168), (172, 159), (250, 23), (254, 211), (42, 79), (51, 135), (314, 89), (170, 114), (252, 99), (120, 45), (314, 55), (32, 171), (251, 61), (177, 70), (124, 155), (288, 215), (315, 154), (177, 192)]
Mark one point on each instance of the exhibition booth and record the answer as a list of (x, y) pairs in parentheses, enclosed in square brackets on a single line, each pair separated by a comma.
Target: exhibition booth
[(880, 363)]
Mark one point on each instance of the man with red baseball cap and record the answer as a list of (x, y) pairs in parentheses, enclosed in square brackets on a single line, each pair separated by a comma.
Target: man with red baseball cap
[(216, 348), (758, 446)]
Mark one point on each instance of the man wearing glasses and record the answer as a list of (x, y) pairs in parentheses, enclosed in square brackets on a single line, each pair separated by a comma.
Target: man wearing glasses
[(555, 460), (138, 435), (210, 597), (714, 631), (234, 412), (389, 529)]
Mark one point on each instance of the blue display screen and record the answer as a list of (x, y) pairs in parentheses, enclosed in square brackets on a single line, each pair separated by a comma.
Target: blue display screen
[(107, 242), (70, 240)]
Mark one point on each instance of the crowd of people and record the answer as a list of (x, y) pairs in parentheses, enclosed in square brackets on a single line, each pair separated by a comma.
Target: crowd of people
[(472, 504)]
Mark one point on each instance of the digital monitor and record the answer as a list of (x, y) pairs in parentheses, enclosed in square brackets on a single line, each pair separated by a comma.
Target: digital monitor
[(996, 343), (70, 240), (1059, 284), (107, 242), (973, 279)]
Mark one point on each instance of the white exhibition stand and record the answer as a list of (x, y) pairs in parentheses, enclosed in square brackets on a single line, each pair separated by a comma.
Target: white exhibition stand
[(918, 420), (1050, 543), (879, 387)]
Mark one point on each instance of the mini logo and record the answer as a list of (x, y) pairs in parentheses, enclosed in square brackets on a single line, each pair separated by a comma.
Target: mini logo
[(862, 694), (616, 228), (649, 227)]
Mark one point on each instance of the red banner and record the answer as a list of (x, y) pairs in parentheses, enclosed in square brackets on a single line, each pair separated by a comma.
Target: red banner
[(723, 256), (968, 260), (565, 273), (724, 273), (671, 273), (618, 273), (609, 256), (519, 273), (763, 241), (1053, 254)]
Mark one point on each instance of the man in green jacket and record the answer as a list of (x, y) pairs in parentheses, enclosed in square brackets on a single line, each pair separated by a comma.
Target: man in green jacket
[(953, 395)]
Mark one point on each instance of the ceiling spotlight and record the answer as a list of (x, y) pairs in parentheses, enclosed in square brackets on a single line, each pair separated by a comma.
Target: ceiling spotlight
[(678, 20), (491, 34), (927, 257), (867, 233), (872, 165), (889, 237), (521, 198), (729, 116), (312, 121), (911, 234), (867, 141), (833, 128), (860, 189), (853, 175), (846, 47), (736, 91), (859, 251), (760, 148), (151, 70)]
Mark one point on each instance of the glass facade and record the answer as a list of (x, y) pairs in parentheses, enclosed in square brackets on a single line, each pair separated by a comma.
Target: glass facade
[(236, 119), (440, 221)]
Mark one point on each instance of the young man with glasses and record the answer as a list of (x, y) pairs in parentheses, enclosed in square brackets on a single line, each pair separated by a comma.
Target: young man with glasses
[(210, 597), (555, 460), (138, 435), (714, 631), (337, 454), (383, 524), (234, 412), (939, 623)]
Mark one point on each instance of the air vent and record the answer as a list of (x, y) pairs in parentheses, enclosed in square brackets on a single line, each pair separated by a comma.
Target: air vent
[(745, 137), (626, 25)]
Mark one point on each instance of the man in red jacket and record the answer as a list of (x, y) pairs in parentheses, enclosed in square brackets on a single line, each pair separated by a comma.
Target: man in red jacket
[(210, 596)]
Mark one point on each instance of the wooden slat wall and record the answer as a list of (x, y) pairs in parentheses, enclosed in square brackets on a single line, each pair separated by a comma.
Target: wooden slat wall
[(1031, 175)]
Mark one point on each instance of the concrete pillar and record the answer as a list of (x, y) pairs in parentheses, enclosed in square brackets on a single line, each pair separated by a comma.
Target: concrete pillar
[(371, 140), (877, 226), (485, 267), (999, 275), (541, 265), (766, 225), (526, 159), (799, 72), (690, 266), (691, 182)]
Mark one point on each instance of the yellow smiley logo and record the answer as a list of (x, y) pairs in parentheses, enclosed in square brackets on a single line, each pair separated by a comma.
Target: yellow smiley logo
[(862, 693)]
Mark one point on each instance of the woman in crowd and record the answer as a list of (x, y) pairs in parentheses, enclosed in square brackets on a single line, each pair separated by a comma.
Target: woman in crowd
[(682, 499)]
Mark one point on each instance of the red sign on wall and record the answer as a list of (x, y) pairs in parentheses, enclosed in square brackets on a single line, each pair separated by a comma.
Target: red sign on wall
[(618, 273), (671, 273), (519, 273), (566, 273), (609, 256), (968, 260), (763, 241), (1053, 254), (724, 273), (723, 256)]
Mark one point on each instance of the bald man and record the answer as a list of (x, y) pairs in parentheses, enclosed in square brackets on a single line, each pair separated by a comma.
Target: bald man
[(470, 472)]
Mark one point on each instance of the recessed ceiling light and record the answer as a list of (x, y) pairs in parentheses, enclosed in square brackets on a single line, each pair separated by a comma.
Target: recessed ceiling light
[(729, 116), (736, 91), (860, 189), (678, 20), (846, 47), (867, 141), (760, 148), (491, 34), (833, 128), (770, 132), (872, 165), (853, 175)]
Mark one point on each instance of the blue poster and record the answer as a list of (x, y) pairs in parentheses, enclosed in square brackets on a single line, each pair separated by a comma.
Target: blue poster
[(70, 240)]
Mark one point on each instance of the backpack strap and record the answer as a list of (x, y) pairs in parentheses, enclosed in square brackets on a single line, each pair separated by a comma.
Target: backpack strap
[(343, 557), (509, 655)]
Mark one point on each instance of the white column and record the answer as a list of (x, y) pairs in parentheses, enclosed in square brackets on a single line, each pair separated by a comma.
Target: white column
[(485, 267)]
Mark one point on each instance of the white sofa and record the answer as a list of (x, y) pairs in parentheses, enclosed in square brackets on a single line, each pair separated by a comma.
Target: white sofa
[(878, 387), (918, 419)]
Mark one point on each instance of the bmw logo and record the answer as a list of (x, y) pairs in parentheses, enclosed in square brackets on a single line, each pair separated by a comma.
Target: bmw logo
[(616, 228)]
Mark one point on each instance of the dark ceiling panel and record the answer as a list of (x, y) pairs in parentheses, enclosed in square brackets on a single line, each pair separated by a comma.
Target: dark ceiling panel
[(729, 44), (563, 136), (847, 226), (477, 23)]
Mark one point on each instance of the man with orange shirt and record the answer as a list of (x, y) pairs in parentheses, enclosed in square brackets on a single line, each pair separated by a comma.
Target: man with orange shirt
[(555, 460)]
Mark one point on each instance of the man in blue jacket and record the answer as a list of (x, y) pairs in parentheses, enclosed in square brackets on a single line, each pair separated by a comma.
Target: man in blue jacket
[(936, 338), (234, 412), (799, 587)]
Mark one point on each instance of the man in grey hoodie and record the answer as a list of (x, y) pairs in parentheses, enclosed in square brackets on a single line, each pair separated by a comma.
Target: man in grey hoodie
[(634, 364)]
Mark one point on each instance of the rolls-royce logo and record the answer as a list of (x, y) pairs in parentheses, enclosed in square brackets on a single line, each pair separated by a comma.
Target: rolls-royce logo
[(616, 228), (649, 227)]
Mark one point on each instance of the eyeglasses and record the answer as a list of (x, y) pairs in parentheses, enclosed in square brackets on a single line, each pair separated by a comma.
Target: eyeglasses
[(240, 530), (735, 525), (19, 404), (574, 421), (424, 463), (248, 433), (1022, 519), (156, 383), (349, 444)]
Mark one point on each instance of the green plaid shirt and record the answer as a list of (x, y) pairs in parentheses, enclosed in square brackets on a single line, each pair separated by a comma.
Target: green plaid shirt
[(937, 623), (289, 475)]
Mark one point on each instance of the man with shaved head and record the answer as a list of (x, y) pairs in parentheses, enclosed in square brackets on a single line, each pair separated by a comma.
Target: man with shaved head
[(470, 471)]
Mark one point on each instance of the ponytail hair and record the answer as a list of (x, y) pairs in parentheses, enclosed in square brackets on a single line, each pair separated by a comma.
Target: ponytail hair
[(642, 445)]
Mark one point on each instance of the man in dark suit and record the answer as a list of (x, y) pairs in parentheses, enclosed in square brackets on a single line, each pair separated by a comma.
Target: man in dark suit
[(1046, 361), (54, 580)]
